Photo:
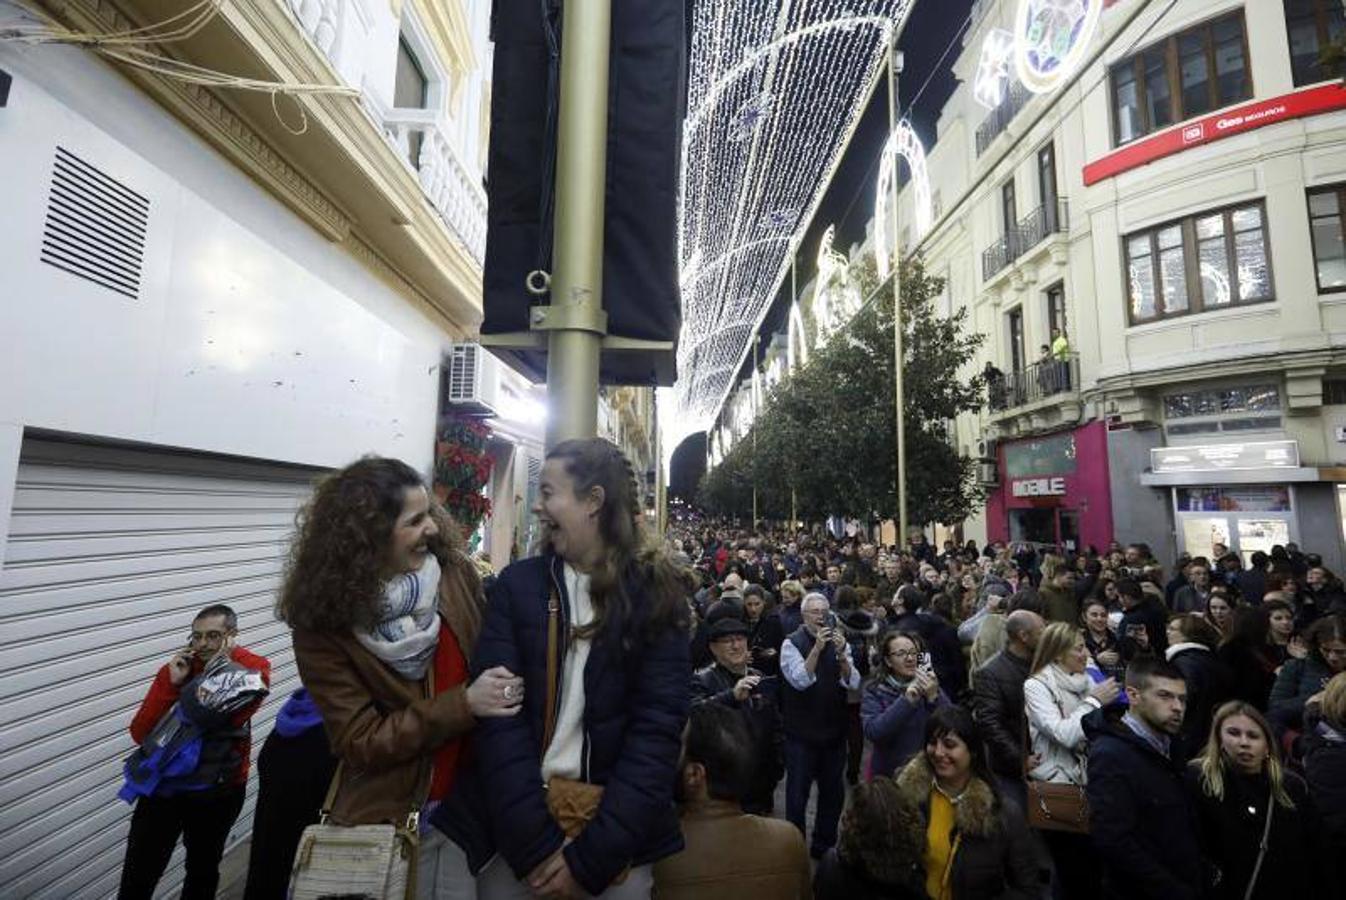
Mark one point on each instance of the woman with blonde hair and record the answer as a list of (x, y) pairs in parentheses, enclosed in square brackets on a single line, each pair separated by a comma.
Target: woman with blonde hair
[(1057, 696), (1257, 827)]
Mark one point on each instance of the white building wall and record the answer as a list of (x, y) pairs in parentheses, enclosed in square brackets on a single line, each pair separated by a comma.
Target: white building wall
[(252, 335)]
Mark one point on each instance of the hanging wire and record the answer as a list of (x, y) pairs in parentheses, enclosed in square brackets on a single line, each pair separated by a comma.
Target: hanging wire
[(130, 47)]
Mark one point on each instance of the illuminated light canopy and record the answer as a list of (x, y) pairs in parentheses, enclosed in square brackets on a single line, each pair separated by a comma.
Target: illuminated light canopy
[(904, 143), (775, 89), (993, 72), (1051, 37)]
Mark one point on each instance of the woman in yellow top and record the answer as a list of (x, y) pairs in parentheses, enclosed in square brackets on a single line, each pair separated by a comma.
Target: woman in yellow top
[(976, 843)]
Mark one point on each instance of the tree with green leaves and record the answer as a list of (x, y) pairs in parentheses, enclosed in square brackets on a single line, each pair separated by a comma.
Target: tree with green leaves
[(827, 432)]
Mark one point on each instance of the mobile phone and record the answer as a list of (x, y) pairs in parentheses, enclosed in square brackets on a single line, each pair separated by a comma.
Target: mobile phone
[(923, 661)]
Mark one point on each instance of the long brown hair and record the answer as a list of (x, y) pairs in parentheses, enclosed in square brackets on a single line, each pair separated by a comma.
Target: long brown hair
[(334, 575), (627, 551)]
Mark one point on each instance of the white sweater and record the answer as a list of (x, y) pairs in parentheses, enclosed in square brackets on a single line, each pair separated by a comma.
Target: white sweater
[(565, 756), (1055, 704)]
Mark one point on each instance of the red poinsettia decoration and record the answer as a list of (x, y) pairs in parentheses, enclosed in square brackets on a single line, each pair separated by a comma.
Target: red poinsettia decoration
[(462, 469)]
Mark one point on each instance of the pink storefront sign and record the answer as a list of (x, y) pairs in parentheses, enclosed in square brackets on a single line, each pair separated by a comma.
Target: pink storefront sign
[(1059, 482)]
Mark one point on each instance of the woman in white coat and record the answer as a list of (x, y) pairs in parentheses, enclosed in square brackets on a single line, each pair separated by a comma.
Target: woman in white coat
[(1057, 696)]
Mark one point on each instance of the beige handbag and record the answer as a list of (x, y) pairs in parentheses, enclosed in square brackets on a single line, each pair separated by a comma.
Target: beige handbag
[(377, 861)]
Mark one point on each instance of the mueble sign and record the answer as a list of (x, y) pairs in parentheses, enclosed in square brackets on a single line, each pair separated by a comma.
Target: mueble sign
[(1039, 487)]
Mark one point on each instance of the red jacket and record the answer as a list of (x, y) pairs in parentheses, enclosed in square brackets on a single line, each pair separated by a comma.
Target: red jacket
[(163, 694)]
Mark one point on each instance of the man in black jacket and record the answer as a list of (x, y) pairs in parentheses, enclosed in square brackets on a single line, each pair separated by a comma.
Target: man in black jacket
[(1142, 827), (998, 701), (1144, 627), (731, 682)]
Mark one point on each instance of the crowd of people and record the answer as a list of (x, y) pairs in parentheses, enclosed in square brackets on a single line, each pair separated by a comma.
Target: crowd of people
[(616, 716)]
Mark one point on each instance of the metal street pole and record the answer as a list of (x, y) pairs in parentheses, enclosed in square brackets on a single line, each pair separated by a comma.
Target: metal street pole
[(756, 348), (794, 298), (660, 484), (894, 67), (575, 317)]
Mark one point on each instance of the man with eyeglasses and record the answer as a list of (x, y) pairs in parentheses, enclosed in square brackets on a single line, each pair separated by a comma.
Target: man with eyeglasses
[(201, 804), (731, 682)]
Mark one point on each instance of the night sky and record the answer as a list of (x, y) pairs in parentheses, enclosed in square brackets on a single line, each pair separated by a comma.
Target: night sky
[(849, 201)]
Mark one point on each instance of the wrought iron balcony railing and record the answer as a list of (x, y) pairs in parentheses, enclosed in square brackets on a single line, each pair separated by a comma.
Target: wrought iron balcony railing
[(1047, 377)]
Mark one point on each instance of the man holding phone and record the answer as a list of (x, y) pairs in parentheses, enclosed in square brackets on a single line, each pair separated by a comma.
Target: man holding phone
[(817, 670), (203, 814), (731, 682)]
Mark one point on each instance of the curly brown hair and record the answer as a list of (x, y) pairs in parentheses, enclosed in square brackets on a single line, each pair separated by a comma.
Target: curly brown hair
[(335, 572), (882, 834), (628, 553)]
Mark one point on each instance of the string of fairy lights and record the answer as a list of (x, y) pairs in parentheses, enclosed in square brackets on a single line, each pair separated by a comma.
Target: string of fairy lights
[(775, 90)]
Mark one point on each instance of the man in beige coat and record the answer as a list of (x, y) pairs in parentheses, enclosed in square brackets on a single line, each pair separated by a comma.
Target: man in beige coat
[(728, 853)]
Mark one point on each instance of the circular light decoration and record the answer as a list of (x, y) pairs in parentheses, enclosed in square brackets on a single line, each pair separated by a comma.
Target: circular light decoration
[(902, 142), (1050, 39)]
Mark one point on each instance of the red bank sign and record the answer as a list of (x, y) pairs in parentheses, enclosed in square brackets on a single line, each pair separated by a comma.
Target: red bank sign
[(1236, 119)]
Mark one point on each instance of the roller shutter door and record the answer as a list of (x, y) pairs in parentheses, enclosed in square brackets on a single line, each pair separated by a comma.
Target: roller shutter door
[(109, 555)]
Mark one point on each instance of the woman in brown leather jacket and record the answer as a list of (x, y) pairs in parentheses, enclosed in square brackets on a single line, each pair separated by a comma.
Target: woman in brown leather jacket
[(385, 609)]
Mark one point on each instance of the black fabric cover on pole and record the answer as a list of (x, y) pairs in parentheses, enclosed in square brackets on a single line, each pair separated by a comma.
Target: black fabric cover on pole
[(646, 106)]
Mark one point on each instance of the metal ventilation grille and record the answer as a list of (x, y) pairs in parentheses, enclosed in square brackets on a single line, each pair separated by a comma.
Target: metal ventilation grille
[(95, 226), (463, 373)]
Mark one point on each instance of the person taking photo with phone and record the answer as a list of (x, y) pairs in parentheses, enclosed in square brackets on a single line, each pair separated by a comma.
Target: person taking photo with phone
[(897, 702), (818, 671), (731, 682)]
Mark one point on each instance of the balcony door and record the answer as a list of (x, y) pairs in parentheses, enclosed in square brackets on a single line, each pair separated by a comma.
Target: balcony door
[(1016, 339), (1009, 215), (1047, 192)]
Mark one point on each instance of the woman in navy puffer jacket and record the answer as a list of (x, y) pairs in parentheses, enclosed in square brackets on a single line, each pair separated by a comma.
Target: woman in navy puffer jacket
[(621, 701)]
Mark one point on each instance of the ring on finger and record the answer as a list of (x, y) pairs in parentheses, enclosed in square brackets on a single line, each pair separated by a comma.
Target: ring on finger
[(508, 692)]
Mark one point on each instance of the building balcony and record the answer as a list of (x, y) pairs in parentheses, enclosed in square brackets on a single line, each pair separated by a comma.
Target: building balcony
[(1030, 231), (419, 135), (1048, 379), (1016, 98)]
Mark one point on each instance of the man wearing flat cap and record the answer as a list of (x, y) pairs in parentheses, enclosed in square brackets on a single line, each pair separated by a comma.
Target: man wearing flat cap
[(730, 681)]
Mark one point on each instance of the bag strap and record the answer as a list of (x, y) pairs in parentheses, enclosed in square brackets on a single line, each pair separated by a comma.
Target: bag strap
[(335, 785), (553, 665), (1262, 848)]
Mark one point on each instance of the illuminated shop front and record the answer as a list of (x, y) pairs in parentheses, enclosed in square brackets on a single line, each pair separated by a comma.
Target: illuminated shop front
[(1248, 496), (1053, 490)]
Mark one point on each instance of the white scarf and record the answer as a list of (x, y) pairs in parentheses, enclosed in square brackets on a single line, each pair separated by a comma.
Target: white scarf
[(1077, 684), (408, 629)]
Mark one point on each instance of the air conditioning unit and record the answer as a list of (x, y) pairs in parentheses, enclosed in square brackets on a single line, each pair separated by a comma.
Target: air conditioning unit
[(471, 381), (986, 449)]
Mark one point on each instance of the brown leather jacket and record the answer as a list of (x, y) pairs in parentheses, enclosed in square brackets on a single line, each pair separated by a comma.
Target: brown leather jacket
[(732, 854), (382, 726)]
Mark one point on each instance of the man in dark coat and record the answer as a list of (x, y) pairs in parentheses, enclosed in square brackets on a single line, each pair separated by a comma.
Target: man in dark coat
[(998, 701), (1144, 626), (731, 682), (1142, 826)]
